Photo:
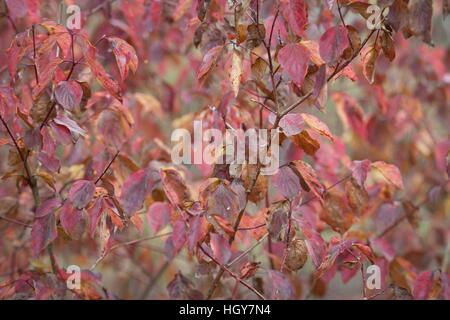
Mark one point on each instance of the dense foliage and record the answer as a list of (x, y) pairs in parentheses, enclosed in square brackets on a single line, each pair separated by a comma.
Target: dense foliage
[(359, 93)]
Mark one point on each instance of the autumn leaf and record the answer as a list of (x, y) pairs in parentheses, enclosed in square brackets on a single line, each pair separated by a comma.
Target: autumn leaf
[(390, 172), (304, 141), (158, 215), (308, 178), (43, 232), (209, 61), (69, 94), (126, 56), (317, 125), (134, 191), (287, 182), (294, 59), (107, 82), (292, 124), (174, 186), (298, 17), (369, 62), (333, 43), (81, 193), (221, 248), (360, 169), (236, 71), (71, 220)]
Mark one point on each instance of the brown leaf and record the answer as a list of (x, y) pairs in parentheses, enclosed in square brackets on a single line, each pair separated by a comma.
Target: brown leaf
[(305, 142)]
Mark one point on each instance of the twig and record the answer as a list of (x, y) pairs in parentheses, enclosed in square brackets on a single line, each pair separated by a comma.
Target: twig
[(34, 55), (16, 222), (107, 167), (222, 267), (127, 243), (246, 252)]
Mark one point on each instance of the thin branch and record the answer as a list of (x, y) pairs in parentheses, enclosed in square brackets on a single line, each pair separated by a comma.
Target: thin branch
[(30, 179), (16, 222), (107, 167), (34, 55), (222, 267), (246, 252), (127, 243)]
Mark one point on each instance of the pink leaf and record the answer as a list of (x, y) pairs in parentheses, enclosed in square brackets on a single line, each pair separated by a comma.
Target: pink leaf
[(287, 182), (134, 191), (423, 285), (278, 286), (70, 218), (294, 59), (209, 60), (298, 18), (317, 125), (81, 193), (333, 43), (125, 54), (69, 94), (43, 232), (221, 248), (359, 170), (390, 172), (73, 127), (292, 124), (158, 215), (47, 207)]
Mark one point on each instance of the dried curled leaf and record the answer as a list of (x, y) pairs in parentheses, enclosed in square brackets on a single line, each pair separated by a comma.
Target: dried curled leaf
[(296, 255)]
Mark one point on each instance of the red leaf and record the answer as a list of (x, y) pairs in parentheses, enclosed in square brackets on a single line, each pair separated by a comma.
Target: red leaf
[(181, 288), (298, 18), (81, 193), (292, 124), (390, 172), (197, 230), (158, 215), (47, 207), (102, 76), (174, 186), (317, 125), (423, 285), (179, 235), (359, 170), (278, 286), (219, 198), (71, 219), (69, 94), (351, 113), (46, 66), (125, 54), (43, 232), (49, 162), (309, 180), (209, 60), (94, 216), (294, 59), (221, 248), (287, 182), (134, 191), (73, 127), (333, 43)]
